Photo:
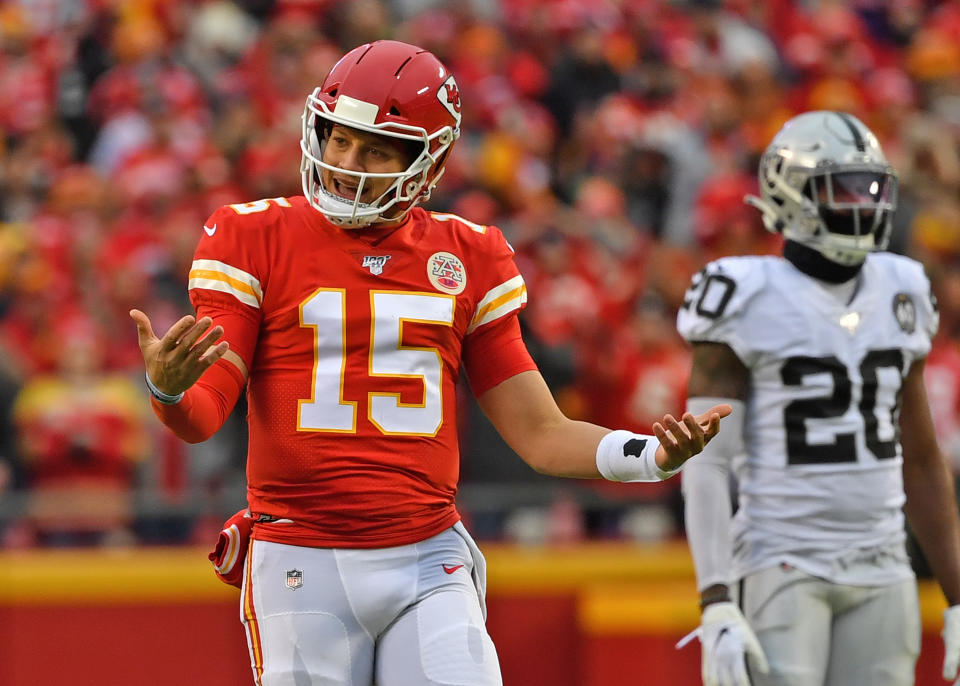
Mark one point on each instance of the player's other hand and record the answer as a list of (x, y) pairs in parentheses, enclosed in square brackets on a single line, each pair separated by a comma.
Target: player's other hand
[(951, 643), (681, 440), (725, 639), (175, 361)]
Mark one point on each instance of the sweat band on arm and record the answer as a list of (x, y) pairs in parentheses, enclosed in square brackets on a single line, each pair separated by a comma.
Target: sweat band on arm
[(626, 456), (205, 406)]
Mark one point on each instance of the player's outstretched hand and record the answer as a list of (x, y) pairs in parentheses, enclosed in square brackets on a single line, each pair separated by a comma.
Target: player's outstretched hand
[(681, 440), (186, 351), (951, 643)]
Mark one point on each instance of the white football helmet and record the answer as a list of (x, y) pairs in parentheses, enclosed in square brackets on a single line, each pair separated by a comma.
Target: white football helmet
[(825, 183)]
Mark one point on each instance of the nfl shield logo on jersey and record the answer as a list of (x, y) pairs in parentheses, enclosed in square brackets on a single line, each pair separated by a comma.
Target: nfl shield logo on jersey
[(905, 312), (294, 579), (375, 263)]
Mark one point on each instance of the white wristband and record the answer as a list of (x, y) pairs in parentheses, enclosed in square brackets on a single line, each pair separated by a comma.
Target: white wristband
[(626, 456), (163, 398)]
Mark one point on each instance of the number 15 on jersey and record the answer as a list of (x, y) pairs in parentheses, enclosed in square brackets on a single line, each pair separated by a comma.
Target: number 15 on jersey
[(326, 410)]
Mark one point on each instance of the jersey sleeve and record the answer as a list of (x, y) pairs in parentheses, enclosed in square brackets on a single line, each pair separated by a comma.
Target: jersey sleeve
[(493, 349), (715, 306), (917, 296), (503, 293), (225, 279), (927, 312), (494, 354)]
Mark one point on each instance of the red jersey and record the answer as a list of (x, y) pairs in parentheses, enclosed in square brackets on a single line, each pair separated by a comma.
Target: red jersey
[(354, 340)]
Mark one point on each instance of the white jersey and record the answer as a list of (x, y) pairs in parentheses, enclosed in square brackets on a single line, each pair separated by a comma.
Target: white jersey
[(821, 485)]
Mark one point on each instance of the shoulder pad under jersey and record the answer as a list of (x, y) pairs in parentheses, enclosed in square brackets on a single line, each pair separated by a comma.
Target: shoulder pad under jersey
[(914, 299), (715, 305)]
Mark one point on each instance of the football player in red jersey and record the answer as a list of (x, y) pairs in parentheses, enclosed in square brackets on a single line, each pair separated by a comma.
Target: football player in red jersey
[(348, 314)]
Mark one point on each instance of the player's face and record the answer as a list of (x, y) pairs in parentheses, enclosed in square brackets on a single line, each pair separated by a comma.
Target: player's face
[(360, 151), (848, 190)]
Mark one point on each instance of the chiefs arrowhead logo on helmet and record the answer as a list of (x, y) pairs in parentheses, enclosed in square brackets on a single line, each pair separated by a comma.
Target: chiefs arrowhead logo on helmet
[(449, 96)]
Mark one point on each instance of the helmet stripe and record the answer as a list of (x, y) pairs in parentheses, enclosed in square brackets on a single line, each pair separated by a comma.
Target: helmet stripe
[(857, 138)]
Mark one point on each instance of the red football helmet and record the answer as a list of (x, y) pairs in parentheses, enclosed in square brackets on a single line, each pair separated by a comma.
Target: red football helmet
[(387, 88)]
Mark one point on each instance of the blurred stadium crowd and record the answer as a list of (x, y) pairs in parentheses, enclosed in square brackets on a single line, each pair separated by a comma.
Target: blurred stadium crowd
[(611, 140)]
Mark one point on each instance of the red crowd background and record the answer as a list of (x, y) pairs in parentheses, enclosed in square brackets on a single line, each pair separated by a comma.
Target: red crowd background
[(611, 140)]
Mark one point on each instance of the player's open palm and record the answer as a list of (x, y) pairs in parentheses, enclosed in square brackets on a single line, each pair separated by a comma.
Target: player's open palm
[(175, 361), (681, 440)]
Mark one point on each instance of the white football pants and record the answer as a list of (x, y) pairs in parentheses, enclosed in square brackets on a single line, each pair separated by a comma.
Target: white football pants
[(409, 615), (816, 633)]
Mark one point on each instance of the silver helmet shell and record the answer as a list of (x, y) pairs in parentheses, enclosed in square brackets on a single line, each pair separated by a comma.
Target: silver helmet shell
[(825, 183)]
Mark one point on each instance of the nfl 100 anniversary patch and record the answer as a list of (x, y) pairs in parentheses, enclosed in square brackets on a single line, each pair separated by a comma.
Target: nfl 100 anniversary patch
[(294, 579), (375, 263), (905, 312)]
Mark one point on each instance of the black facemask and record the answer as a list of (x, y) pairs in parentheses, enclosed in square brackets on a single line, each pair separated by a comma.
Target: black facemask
[(812, 263)]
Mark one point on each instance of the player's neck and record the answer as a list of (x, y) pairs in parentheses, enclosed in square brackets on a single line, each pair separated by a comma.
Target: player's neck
[(812, 263), (827, 276), (374, 233)]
